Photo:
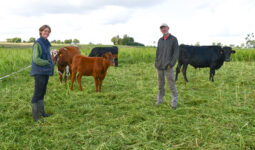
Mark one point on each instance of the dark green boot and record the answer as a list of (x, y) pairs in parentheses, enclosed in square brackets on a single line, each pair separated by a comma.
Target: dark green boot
[(41, 109), (35, 111)]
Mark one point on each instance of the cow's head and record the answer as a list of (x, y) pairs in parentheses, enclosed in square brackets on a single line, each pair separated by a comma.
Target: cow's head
[(109, 57), (227, 51), (54, 55)]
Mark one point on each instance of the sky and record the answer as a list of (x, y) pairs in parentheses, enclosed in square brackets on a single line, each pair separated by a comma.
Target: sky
[(97, 21)]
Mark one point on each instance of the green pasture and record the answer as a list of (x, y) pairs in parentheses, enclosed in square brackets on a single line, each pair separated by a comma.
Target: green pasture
[(210, 115)]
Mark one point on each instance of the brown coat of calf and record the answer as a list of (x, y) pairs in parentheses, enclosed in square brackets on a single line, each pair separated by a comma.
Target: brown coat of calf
[(91, 66), (63, 59)]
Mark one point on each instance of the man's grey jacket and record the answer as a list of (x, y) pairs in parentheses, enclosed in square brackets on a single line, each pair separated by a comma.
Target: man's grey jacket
[(167, 52)]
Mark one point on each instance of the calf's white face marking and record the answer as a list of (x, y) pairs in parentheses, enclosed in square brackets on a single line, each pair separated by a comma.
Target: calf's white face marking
[(54, 52)]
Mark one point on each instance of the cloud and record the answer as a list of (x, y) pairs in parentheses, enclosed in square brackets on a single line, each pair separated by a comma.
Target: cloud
[(38, 7), (204, 21)]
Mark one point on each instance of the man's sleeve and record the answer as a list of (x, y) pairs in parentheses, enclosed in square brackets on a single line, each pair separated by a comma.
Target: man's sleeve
[(175, 54), (157, 51), (37, 52)]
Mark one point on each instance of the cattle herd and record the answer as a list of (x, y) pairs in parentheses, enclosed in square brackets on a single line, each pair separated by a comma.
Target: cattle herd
[(70, 61)]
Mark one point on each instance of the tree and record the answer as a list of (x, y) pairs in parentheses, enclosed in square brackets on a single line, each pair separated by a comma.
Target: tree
[(250, 41), (115, 40), (76, 41), (31, 40), (232, 45), (219, 44), (68, 41), (58, 42), (53, 41), (242, 45), (9, 40), (14, 40), (197, 44), (213, 43), (126, 40)]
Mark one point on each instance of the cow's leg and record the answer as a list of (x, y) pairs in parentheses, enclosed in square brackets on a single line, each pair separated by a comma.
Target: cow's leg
[(184, 70), (65, 76), (61, 71), (96, 83), (100, 84), (70, 71), (60, 76), (73, 79), (116, 62), (178, 70), (79, 80), (66, 72), (212, 73)]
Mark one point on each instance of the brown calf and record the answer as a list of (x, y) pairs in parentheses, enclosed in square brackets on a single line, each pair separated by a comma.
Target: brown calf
[(91, 66), (63, 58)]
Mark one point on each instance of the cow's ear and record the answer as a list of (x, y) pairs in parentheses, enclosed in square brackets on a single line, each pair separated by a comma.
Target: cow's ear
[(233, 52), (221, 51)]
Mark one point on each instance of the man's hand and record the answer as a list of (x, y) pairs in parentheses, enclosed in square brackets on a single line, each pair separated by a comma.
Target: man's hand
[(169, 67)]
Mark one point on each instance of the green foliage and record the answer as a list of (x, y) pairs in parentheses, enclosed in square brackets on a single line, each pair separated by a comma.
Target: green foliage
[(126, 40), (59, 42), (217, 115), (53, 41), (76, 41), (14, 40), (68, 41), (31, 40), (250, 41), (219, 44)]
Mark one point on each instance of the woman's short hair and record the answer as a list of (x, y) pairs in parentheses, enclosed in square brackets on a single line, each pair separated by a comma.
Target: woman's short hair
[(44, 27)]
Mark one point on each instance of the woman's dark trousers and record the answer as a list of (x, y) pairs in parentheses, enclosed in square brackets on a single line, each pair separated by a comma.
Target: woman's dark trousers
[(41, 82)]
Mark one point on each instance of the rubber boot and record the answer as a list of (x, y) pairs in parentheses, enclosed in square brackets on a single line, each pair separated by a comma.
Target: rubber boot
[(41, 109), (35, 111), (174, 103), (159, 99)]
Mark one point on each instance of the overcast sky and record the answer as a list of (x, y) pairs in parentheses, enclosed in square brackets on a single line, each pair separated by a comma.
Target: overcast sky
[(97, 21)]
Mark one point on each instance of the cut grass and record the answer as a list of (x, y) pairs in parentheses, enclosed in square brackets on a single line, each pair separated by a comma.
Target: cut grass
[(219, 115)]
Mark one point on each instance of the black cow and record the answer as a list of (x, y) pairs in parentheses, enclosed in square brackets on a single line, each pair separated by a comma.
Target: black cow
[(201, 57), (100, 51)]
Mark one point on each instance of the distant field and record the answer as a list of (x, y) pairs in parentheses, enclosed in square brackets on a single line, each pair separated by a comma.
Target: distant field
[(219, 115)]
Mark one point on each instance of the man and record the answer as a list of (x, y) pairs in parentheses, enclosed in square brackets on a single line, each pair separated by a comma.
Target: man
[(166, 57)]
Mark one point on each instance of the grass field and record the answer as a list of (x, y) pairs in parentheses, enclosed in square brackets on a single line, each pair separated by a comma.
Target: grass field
[(219, 115)]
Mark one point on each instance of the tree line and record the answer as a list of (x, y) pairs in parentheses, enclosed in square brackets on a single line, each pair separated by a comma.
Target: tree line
[(32, 40), (127, 40)]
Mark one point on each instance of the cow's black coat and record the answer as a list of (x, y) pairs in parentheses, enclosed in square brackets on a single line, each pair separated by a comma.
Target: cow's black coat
[(201, 57), (100, 51)]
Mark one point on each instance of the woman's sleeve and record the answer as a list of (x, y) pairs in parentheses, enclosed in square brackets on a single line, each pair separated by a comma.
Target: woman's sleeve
[(37, 52)]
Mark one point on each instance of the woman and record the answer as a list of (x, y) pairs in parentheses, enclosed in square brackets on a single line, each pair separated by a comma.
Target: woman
[(42, 67)]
